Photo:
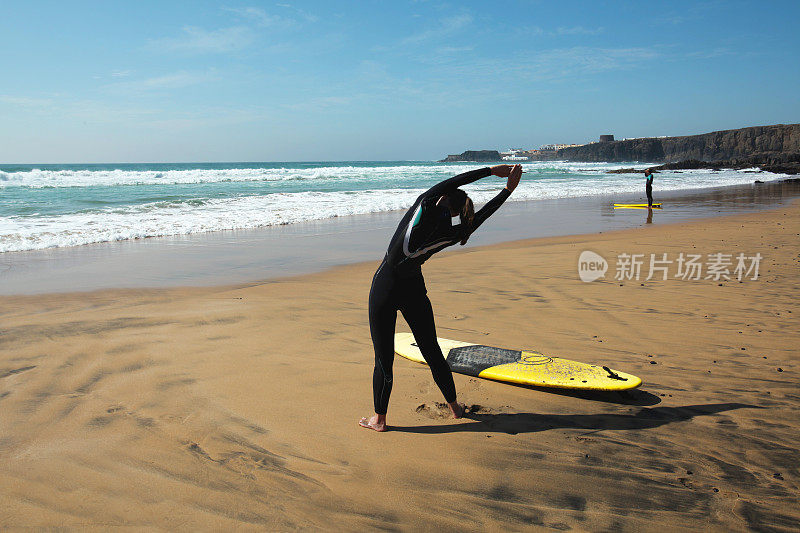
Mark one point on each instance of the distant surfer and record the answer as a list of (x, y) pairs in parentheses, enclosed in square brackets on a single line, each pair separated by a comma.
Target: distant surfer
[(648, 187), (398, 283)]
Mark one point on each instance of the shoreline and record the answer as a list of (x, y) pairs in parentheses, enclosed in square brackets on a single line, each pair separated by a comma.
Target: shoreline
[(246, 256), (236, 406)]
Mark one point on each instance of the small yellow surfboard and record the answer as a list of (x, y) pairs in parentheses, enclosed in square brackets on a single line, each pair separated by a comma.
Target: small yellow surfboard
[(520, 366), (635, 206)]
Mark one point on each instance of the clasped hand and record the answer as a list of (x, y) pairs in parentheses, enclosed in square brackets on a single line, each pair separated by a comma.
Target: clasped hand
[(512, 172)]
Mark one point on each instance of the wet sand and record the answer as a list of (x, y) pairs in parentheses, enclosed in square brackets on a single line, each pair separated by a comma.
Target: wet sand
[(237, 407), (227, 257)]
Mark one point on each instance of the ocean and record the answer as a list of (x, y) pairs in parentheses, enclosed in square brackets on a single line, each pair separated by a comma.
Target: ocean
[(49, 206)]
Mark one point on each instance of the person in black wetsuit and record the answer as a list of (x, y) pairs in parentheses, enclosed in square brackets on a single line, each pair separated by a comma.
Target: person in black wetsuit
[(648, 187), (398, 283)]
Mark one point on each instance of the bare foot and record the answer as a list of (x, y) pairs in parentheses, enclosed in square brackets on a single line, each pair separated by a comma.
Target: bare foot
[(457, 409), (376, 422)]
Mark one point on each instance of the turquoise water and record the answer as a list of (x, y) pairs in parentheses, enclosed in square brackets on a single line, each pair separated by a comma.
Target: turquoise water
[(45, 206)]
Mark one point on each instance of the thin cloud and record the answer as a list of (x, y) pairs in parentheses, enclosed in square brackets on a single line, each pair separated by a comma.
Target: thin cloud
[(561, 31), (116, 112), (445, 50), (258, 16), (85, 111), (461, 80), (25, 101), (439, 92), (578, 30), (91, 111), (445, 27), (305, 15), (551, 65), (671, 19), (530, 31), (694, 12), (584, 59), (176, 80), (198, 40), (322, 103), (710, 54), (210, 117), (372, 70), (444, 54)]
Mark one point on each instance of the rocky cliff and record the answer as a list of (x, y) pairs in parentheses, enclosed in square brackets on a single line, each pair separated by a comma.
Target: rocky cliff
[(474, 155), (773, 144)]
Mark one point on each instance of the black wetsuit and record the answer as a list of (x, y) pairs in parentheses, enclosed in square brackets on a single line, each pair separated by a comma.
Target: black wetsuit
[(398, 284), (648, 188)]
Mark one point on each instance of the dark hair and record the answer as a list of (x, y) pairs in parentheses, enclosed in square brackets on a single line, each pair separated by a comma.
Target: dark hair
[(457, 197), (459, 201)]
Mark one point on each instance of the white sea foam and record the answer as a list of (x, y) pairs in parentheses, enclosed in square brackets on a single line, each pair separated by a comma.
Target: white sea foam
[(348, 174), (161, 218), (182, 218), (110, 178)]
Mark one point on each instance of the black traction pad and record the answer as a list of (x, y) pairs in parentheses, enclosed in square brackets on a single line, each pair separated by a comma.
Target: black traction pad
[(472, 360)]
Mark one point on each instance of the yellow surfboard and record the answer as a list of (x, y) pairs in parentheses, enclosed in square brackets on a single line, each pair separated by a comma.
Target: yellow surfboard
[(636, 206), (520, 366)]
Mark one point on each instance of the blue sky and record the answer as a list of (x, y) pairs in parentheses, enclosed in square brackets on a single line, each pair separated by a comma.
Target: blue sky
[(324, 80)]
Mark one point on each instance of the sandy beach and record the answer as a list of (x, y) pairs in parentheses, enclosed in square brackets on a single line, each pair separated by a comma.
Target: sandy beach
[(236, 407)]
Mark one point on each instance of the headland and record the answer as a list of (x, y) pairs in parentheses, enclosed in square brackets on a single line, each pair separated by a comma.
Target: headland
[(773, 148)]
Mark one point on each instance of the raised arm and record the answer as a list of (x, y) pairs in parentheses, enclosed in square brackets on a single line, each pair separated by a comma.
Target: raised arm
[(457, 181), (466, 178)]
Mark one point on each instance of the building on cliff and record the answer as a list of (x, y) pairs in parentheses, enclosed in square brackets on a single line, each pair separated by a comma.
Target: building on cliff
[(554, 147), (514, 154)]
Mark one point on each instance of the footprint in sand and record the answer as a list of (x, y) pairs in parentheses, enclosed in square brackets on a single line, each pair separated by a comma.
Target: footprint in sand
[(435, 410), (477, 409), (438, 410)]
